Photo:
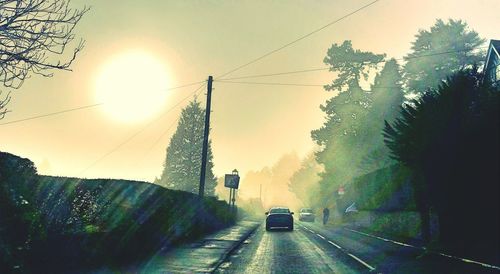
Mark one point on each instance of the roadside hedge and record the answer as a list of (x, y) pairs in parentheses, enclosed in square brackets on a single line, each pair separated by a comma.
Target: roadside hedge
[(388, 189), (57, 224)]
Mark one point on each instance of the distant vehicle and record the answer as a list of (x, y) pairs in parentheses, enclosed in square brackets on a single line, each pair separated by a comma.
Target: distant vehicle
[(306, 215), (279, 217)]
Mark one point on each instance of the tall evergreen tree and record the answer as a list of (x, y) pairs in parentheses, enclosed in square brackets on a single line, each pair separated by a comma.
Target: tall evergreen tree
[(183, 161), (452, 38), (387, 97), (339, 135)]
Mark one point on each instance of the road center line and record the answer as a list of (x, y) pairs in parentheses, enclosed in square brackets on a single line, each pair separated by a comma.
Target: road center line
[(334, 244), (319, 235), (341, 249), (423, 248)]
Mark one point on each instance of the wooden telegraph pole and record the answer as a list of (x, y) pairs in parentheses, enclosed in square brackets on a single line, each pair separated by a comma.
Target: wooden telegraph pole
[(201, 190)]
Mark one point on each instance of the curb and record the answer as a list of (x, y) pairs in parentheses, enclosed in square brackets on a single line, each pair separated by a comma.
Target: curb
[(237, 244)]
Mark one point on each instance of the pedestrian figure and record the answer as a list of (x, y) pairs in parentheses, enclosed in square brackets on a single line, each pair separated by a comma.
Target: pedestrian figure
[(326, 215)]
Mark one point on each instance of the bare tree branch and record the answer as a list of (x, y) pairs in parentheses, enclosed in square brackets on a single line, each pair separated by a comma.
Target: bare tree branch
[(33, 33), (3, 103)]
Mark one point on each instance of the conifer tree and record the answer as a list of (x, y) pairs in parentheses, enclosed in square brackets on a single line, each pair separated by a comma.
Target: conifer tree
[(183, 160), (339, 137)]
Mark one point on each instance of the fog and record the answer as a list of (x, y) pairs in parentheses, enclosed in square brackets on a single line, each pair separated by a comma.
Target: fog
[(271, 185)]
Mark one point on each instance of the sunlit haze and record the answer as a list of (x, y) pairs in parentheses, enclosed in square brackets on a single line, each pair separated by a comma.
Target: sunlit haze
[(249, 136), (134, 52), (132, 86)]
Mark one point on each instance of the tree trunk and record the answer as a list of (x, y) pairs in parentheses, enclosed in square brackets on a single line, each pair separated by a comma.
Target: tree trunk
[(422, 203)]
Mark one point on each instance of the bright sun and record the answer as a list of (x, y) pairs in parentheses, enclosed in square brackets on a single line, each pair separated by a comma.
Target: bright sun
[(132, 86)]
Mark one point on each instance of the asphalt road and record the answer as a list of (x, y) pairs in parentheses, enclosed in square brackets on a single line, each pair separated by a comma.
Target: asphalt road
[(312, 249)]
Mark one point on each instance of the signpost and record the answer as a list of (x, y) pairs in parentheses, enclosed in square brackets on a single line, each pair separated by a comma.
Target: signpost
[(232, 181)]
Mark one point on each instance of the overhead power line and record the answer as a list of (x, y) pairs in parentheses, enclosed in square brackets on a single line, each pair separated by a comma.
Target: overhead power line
[(186, 85), (270, 83), (291, 84), (162, 134), (117, 147), (82, 107), (298, 39), (277, 73), (51, 114), (365, 63)]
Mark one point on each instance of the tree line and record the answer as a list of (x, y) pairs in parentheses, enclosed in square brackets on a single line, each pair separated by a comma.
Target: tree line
[(433, 114)]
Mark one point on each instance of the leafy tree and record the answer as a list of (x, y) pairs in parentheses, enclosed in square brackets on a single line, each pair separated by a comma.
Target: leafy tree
[(449, 139), (387, 97), (351, 65), (339, 136), (183, 161), (32, 34), (344, 110), (426, 65)]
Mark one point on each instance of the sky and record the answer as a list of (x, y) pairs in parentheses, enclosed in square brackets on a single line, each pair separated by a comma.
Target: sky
[(252, 126)]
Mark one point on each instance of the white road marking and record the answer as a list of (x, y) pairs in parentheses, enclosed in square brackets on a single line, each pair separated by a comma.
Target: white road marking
[(362, 262), (383, 239), (423, 248), (327, 261), (319, 235), (342, 249), (334, 244)]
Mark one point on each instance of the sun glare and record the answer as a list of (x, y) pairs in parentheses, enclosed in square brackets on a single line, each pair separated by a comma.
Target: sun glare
[(132, 86)]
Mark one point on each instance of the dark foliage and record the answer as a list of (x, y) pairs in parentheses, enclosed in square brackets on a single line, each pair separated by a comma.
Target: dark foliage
[(69, 223), (20, 223), (450, 141)]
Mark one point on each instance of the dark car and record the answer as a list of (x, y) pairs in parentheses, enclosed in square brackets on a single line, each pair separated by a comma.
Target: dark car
[(279, 217), (306, 215)]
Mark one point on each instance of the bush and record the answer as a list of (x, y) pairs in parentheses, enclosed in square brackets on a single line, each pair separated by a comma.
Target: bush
[(386, 189), (64, 224)]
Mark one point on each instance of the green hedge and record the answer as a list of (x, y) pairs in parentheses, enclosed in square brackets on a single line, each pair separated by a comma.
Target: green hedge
[(51, 224), (387, 189)]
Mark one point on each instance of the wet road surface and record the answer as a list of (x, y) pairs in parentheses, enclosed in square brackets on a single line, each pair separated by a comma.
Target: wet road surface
[(312, 249), (201, 256), (297, 251), (309, 248)]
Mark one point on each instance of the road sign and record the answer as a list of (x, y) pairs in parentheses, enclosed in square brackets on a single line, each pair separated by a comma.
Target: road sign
[(232, 181)]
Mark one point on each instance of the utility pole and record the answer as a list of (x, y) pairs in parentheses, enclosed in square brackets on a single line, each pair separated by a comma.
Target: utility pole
[(201, 190)]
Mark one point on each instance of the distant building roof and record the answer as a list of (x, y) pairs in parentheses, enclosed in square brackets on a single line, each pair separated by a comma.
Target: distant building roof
[(495, 44), (494, 48)]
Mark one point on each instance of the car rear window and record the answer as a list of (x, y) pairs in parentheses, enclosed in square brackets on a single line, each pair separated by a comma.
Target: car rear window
[(279, 210), (306, 210)]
